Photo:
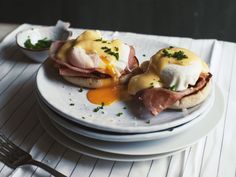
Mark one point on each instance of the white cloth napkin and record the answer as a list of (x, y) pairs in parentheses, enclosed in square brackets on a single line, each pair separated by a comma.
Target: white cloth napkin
[(212, 156)]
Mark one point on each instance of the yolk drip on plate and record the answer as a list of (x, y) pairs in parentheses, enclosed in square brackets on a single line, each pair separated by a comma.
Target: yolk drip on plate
[(107, 95)]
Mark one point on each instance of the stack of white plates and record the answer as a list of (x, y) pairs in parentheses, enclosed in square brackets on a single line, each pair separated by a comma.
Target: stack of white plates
[(134, 135)]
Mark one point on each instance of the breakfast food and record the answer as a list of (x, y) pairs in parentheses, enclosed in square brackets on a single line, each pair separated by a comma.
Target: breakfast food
[(93, 62), (174, 78)]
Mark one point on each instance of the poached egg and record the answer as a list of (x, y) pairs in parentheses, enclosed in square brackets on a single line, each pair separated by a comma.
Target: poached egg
[(91, 50)]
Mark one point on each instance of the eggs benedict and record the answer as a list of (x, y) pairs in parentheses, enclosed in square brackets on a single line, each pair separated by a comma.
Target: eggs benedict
[(173, 78), (93, 62)]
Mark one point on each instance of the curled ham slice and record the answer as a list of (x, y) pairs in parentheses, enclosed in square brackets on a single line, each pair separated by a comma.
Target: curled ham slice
[(133, 61), (64, 71), (53, 51), (158, 99)]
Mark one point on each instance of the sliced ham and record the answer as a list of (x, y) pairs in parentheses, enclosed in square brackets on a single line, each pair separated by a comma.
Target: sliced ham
[(55, 47), (63, 71), (133, 61), (158, 99), (73, 68)]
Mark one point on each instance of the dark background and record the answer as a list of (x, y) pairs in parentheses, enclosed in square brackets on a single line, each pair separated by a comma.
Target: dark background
[(186, 18)]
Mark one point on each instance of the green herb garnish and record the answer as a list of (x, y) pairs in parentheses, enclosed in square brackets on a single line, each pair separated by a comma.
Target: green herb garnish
[(173, 88), (98, 39), (41, 44), (119, 114), (72, 104), (178, 55), (110, 52), (148, 122), (124, 107), (116, 48), (80, 90), (101, 40), (144, 55), (166, 53), (98, 108)]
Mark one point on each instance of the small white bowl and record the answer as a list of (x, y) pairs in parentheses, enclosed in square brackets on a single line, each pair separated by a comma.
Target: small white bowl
[(58, 32)]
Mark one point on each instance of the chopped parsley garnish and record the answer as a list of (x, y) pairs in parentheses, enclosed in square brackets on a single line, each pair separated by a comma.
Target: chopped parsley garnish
[(171, 47), (80, 90), (144, 55), (166, 53), (72, 104), (98, 39), (119, 114), (110, 52), (83, 117), (124, 107), (173, 88), (41, 44), (148, 122), (178, 55), (152, 85), (104, 48), (116, 48), (98, 108)]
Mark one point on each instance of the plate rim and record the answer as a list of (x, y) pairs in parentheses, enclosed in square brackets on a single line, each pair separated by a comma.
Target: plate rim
[(77, 147), (58, 119), (168, 144)]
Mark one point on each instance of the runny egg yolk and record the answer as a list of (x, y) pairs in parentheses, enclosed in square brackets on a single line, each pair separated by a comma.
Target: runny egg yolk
[(107, 95), (110, 68)]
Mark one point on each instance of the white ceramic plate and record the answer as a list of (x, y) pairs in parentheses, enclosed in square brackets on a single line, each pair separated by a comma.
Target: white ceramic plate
[(179, 141), (73, 145), (58, 95), (117, 137)]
